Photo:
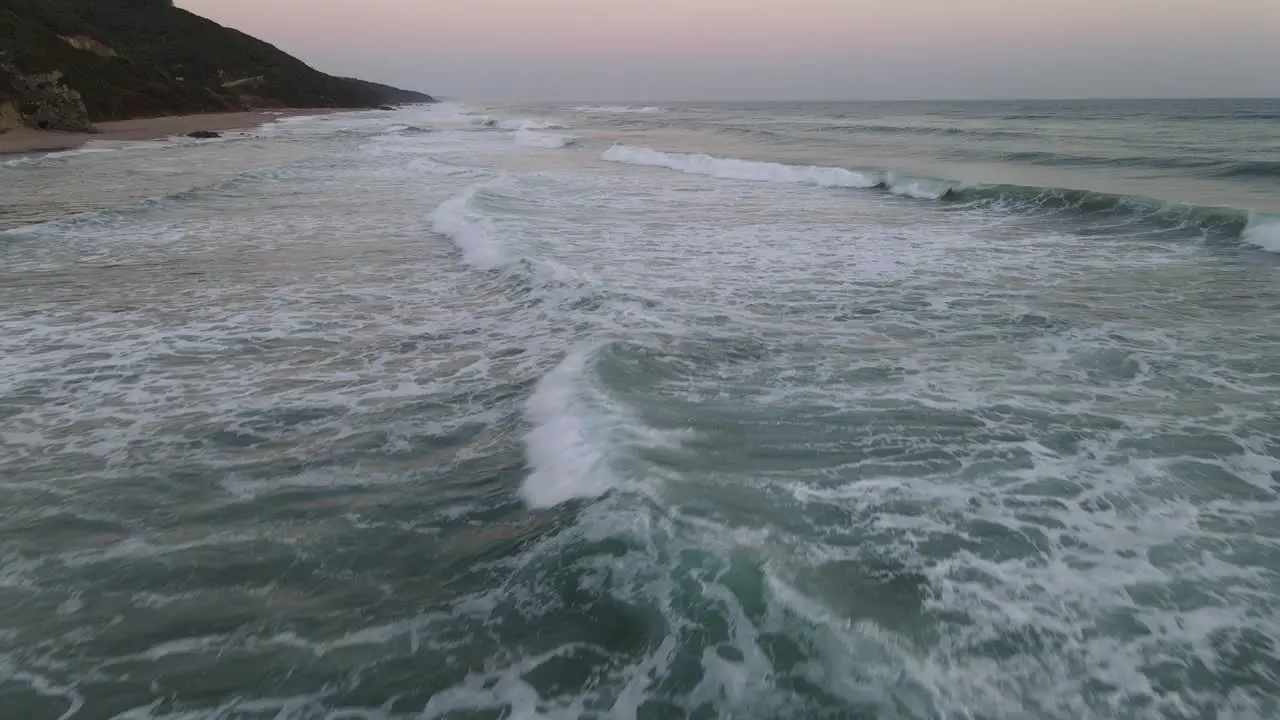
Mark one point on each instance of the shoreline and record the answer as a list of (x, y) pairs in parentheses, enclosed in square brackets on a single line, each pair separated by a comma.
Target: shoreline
[(24, 141)]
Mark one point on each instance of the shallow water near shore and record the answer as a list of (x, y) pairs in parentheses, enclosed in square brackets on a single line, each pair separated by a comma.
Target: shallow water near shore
[(815, 410)]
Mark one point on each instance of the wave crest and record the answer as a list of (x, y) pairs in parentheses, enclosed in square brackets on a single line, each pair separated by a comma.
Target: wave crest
[(619, 109), (1252, 169), (1213, 221), (1219, 221), (550, 141), (734, 169), (531, 125), (562, 450), (471, 232), (1263, 231)]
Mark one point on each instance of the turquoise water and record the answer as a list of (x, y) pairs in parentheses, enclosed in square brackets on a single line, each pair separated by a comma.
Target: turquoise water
[(754, 411)]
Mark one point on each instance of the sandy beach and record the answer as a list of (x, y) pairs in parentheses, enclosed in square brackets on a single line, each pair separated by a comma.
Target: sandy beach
[(25, 140)]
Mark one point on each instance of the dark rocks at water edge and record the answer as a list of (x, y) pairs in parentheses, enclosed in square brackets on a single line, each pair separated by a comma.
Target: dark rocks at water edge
[(204, 135), (65, 64)]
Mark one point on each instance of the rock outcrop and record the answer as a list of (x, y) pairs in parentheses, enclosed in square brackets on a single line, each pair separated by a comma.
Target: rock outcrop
[(80, 42), (10, 118), (48, 104)]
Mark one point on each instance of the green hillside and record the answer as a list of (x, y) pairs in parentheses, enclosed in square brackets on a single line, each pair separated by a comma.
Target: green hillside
[(143, 58)]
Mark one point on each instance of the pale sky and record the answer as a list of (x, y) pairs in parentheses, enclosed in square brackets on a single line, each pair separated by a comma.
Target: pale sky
[(779, 49)]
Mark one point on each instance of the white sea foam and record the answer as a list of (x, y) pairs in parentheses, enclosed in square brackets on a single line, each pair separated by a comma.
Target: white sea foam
[(992, 457), (529, 138), (918, 188), (1263, 231), (530, 125), (734, 169), (515, 123), (470, 231), (505, 689), (619, 109), (563, 448), (92, 148)]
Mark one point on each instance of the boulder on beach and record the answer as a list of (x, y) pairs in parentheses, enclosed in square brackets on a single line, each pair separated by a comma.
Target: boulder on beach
[(204, 134)]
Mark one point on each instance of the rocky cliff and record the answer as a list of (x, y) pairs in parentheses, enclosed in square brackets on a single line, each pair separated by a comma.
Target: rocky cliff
[(67, 63)]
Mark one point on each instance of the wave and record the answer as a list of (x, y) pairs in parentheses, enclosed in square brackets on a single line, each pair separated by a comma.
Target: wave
[(1209, 167), (916, 130), (531, 125), (1257, 229), (1265, 169), (918, 188), (550, 141), (619, 109), (20, 161), (94, 148), (751, 132), (733, 169), (1216, 221), (488, 123), (1041, 157), (1263, 231), (409, 130), (471, 232), (563, 453), (1233, 115)]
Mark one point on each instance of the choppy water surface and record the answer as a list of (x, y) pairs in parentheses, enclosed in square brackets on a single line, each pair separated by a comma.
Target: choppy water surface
[(844, 411)]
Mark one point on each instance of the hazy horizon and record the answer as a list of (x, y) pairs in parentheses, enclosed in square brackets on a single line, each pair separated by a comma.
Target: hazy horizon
[(780, 50)]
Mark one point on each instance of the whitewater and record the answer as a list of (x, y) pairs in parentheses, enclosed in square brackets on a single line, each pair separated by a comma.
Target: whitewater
[(960, 411)]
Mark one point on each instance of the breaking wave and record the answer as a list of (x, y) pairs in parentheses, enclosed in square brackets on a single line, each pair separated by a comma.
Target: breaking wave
[(562, 449), (519, 124), (619, 109), (1259, 230), (531, 125), (470, 231), (410, 130), (1263, 231), (551, 141), (734, 169), (96, 148)]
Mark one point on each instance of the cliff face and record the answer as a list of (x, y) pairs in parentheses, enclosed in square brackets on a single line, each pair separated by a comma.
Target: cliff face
[(65, 63)]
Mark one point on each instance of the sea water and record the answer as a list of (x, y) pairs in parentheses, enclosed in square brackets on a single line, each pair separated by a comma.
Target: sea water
[(961, 410)]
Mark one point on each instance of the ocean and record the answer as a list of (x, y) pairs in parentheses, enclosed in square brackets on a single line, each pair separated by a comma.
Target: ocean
[(957, 411)]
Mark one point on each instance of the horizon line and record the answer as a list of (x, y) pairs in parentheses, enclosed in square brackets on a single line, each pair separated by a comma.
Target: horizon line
[(1153, 98)]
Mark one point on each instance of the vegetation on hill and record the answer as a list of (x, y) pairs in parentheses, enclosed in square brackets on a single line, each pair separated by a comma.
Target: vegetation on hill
[(143, 58)]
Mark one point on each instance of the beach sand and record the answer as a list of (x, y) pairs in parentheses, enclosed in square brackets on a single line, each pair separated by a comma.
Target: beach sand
[(25, 140)]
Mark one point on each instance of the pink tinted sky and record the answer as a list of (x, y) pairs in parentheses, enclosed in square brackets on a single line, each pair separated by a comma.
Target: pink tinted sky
[(780, 49)]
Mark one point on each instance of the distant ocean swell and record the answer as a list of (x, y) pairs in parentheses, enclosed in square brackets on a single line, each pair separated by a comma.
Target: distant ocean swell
[(990, 145), (916, 130), (619, 109), (1203, 166), (1250, 169), (1254, 228)]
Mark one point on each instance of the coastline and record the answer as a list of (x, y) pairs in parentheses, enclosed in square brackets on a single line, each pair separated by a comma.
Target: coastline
[(25, 140)]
